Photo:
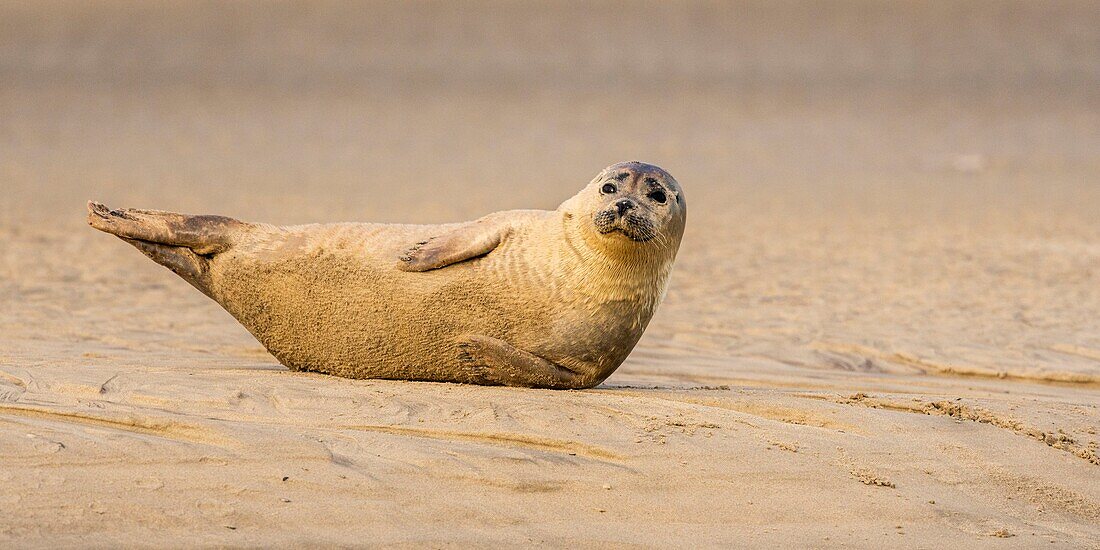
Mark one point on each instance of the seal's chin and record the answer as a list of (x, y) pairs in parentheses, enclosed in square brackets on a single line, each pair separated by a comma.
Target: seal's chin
[(635, 227)]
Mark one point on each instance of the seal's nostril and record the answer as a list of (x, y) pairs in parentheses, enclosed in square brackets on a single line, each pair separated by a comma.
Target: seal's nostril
[(624, 205)]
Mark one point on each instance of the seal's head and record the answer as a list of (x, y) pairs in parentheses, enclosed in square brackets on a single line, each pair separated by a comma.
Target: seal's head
[(636, 202)]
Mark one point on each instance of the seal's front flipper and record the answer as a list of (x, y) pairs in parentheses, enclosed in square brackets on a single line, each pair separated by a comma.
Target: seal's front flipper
[(494, 361), (469, 241)]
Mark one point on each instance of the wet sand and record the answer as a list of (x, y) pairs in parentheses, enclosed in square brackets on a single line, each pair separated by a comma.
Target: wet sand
[(882, 327)]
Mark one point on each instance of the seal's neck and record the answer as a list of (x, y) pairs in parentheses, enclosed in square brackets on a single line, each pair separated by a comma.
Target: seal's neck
[(614, 268)]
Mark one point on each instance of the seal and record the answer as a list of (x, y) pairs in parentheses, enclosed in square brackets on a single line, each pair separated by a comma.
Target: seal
[(532, 298)]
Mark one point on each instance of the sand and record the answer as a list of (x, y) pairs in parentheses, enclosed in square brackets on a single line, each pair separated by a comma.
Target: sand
[(882, 328)]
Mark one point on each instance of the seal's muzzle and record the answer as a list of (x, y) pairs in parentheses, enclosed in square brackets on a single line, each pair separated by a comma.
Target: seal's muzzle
[(626, 217)]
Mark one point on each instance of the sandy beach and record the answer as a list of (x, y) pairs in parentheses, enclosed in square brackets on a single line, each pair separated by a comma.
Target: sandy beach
[(883, 328)]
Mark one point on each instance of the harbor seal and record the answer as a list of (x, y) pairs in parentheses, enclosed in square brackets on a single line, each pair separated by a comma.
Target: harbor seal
[(548, 299)]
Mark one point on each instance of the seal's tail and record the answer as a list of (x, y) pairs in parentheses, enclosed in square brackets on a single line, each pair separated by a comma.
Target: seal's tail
[(185, 244)]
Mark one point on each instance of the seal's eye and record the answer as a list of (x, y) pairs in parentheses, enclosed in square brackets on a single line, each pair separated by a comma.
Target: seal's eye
[(658, 196), (608, 188)]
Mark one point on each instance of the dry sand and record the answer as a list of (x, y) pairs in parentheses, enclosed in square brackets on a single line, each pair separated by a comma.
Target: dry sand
[(882, 329)]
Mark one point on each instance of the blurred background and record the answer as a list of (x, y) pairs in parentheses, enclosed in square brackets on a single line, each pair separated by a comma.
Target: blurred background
[(910, 175), (893, 204), (296, 111)]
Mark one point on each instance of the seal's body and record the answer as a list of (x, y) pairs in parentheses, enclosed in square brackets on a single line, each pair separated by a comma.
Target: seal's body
[(527, 298)]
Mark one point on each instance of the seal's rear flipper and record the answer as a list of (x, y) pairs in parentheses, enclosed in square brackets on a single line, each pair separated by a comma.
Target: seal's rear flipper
[(179, 242), (181, 260), (205, 235)]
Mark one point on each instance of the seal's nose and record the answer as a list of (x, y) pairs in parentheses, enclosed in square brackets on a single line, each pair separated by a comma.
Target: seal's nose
[(624, 205)]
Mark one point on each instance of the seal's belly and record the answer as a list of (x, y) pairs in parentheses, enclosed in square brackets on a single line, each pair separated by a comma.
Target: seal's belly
[(359, 317)]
